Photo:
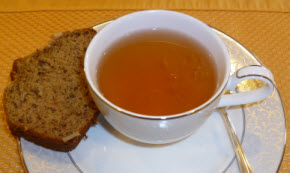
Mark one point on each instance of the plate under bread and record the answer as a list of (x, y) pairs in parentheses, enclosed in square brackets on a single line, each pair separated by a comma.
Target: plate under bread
[(260, 127)]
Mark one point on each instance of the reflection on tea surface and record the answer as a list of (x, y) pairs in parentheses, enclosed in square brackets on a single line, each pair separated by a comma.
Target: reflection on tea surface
[(157, 73)]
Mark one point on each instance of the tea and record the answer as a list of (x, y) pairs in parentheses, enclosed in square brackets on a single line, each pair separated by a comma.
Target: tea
[(157, 72)]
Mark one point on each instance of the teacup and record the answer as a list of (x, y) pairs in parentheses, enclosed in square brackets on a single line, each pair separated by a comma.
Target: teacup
[(171, 128)]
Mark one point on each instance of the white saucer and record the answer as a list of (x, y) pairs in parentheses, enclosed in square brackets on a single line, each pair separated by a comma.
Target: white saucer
[(260, 127)]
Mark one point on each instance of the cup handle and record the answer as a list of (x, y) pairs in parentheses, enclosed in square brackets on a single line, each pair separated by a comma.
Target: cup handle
[(248, 72)]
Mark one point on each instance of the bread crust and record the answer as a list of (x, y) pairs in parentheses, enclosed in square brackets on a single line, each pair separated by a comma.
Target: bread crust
[(50, 142)]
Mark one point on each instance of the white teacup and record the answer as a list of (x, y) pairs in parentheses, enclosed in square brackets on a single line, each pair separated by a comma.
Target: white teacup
[(171, 128)]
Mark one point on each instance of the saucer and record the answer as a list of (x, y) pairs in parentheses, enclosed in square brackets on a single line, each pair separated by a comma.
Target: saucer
[(259, 126)]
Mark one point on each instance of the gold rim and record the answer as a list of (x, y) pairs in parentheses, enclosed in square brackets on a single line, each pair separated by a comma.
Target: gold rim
[(97, 28), (19, 146)]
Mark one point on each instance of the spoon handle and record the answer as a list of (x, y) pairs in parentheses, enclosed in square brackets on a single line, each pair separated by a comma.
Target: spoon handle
[(244, 165)]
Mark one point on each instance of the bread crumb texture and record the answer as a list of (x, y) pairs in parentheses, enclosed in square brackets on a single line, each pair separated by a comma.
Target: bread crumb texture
[(48, 101)]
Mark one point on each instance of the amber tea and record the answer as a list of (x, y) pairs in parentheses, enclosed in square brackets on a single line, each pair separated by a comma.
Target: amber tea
[(157, 73)]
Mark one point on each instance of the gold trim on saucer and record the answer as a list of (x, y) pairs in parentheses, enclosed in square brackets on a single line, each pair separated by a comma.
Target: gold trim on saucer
[(99, 26), (19, 146)]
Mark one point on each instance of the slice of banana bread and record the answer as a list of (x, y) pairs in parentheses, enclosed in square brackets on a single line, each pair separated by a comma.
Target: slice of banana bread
[(48, 101)]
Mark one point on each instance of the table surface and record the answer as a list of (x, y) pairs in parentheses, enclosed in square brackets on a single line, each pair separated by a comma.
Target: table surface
[(261, 26)]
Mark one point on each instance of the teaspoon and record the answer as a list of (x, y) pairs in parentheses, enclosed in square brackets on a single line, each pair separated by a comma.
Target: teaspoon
[(243, 163)]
